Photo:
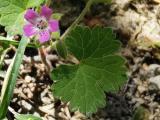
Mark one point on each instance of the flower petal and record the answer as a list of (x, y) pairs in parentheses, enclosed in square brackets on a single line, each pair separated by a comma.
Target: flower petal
[(46, 12), (31, 16), (53, 25), (44, 36), (29, 30)]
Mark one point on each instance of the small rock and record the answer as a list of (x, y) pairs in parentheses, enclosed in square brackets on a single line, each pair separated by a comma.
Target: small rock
[(155, 80), (28, 79), (46, 100), (32, 89), (152, 87), (26, 105), (49, 109), (31, 85), (141, 89), (152, 67)]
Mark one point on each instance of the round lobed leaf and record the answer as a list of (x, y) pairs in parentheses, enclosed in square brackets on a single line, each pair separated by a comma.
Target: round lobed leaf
[(100, 69)]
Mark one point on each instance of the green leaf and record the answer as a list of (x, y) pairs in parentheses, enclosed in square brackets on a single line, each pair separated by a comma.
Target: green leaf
[(12, 14), (55, 35), (61, 49), (100, 69), (33, 3), (57, 16), (11, 77), (26, 117)]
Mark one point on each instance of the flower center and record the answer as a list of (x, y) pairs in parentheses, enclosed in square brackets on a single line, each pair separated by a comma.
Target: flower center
[(42, 24)]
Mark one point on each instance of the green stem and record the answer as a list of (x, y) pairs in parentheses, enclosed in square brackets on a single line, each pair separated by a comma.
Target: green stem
[(81, 16), (11, 77)]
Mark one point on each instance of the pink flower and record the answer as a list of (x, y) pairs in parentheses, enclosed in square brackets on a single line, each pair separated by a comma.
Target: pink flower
[(40, 24)]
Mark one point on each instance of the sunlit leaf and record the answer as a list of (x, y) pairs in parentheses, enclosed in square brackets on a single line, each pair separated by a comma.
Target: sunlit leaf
[(99, 70)]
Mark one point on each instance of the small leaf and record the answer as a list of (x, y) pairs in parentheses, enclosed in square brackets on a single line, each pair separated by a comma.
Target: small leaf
[(12, 14), (34, 3), (56, 35), (61, 49), (26, 117), (100, 69), (57, 16)]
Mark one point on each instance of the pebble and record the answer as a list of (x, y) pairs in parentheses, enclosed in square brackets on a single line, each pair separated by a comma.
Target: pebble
[(152, 87), (152, 67), (24, 86), (46, 100), (29, 93), (141, 89), (26, 105), (155, 80), (49, 109), (32, 89), (28, 79), (31, 85)]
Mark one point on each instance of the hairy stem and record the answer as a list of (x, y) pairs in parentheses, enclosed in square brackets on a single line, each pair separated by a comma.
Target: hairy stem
[(42, 54)]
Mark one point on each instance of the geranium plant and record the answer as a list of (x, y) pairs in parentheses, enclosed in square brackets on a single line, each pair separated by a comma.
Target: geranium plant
[(97, 67)]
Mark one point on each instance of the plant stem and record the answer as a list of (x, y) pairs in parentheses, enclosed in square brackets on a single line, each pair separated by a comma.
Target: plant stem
[(11, 77), (81, 16), (44, 60)]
